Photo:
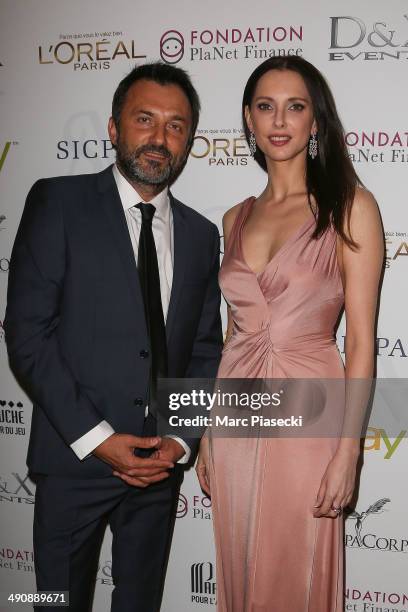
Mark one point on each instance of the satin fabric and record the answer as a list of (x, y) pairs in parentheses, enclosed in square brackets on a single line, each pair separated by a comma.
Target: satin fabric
[(272, 555)]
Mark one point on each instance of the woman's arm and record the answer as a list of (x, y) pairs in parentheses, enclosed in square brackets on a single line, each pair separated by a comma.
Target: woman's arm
[(361, 270), (361, 277)]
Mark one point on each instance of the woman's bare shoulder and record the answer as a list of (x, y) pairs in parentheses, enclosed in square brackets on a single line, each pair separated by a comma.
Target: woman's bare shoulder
[(231, 214)]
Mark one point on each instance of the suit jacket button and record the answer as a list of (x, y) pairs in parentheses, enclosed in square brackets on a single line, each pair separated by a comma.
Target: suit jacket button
[(138, 401), (144, 354)]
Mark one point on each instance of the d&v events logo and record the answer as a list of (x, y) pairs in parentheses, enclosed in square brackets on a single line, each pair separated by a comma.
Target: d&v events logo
[(353, 39), (17, 489)]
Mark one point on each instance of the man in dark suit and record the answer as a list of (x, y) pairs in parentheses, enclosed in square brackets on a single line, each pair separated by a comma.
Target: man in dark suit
[(113, 284)]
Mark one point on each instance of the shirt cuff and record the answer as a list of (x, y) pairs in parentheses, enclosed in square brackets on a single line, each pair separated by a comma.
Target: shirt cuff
[(84, 446), (187, 450)]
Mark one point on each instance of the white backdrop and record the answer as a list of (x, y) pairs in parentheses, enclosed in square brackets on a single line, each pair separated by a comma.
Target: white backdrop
[(59, 65)]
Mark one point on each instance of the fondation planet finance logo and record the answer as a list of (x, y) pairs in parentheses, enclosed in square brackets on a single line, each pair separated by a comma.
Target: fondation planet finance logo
[(197, 507), (104, 573), (4, 264), (172, 47), (253, 42), (367, 600), (182, 506), (373, 146), (17, 559)]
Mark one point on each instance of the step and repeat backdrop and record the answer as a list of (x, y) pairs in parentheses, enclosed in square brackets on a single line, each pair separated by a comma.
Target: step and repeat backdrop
[(59, 65)]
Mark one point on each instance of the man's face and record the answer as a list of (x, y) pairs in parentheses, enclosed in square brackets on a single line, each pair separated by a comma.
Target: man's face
[(153, 133)]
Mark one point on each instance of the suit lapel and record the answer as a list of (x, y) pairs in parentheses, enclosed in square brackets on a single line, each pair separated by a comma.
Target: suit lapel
[(180, 259), (113, 209)]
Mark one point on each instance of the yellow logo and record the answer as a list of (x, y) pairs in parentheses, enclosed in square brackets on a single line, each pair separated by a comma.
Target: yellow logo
[(373, 441), (396, 245), (226, 147), (92, 53), (4, 154)]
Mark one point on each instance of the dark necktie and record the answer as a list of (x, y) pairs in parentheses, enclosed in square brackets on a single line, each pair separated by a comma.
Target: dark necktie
[(148, 269)]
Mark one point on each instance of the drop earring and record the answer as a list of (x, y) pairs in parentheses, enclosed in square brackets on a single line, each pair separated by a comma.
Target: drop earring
[(313, 146), (252, 144)]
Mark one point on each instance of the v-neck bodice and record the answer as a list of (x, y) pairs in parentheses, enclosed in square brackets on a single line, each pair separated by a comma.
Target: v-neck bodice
[(245, 213), (293, 303)]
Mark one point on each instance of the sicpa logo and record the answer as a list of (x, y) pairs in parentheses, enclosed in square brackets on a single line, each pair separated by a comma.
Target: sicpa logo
[(172, 46)]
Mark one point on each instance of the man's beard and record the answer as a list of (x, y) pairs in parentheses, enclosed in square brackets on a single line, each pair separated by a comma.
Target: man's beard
[(148, 171)]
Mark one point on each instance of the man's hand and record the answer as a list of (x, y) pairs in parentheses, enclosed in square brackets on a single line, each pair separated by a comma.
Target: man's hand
[(169, 450), (118, 451)]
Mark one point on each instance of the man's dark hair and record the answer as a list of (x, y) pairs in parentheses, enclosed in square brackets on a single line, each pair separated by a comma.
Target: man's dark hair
[(163, 74)]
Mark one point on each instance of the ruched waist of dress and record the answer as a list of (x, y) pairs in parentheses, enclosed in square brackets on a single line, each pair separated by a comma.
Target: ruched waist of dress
[(281, 343)]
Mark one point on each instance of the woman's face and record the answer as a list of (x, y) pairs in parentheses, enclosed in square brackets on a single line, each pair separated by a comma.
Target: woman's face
[(281, 115)]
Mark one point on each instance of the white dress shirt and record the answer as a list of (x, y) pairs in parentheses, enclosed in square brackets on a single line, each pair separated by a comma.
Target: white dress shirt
[(162, 227)]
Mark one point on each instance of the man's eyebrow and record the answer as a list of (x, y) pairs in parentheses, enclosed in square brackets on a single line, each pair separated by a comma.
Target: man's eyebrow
[(150, 114)]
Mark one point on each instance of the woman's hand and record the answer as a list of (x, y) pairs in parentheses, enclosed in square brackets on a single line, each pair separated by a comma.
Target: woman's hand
[(337, 486), (202, 467)]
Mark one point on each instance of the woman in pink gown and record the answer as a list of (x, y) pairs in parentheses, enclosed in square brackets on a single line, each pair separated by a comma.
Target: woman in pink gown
[(309, 244)]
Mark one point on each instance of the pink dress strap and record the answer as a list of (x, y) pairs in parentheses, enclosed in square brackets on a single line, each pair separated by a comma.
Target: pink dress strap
[(238, 221)]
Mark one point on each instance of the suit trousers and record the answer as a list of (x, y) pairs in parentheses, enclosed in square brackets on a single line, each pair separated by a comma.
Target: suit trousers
[(69, 523)]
